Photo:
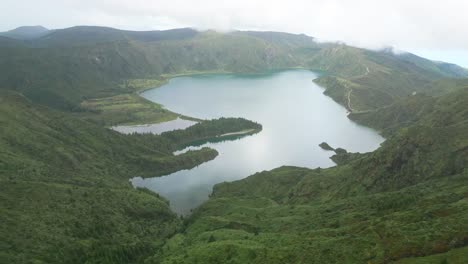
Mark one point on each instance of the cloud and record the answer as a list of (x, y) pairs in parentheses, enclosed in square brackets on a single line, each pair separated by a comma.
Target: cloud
[(406, 25)]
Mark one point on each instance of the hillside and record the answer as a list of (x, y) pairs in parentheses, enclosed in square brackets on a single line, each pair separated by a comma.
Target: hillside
[(67, 66), (408, 110), (379, 78), (86, 35), (64, 183), (26, 32), (65, 192), (406, 200)]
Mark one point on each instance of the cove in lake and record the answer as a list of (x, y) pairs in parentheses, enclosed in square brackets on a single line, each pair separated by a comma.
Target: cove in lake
[(295, 114)]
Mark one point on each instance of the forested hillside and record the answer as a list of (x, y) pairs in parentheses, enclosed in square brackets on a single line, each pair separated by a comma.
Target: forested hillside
[(406, 200), (64, 176), (65, 67), (65, 191)]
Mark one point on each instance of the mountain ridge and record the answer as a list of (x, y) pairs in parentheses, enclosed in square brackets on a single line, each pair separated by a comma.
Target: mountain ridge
[(26, 32), (406, 202), (91, 62), (65, 178)]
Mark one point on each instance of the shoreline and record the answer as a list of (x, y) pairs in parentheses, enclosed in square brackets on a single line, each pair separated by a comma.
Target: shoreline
[(242, 132)]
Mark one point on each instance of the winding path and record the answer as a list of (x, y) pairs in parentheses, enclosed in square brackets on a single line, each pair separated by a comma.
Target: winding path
[(349, 100), (351, 90)]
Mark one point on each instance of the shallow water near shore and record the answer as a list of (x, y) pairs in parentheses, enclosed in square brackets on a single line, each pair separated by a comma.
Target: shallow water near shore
[(155, 128)]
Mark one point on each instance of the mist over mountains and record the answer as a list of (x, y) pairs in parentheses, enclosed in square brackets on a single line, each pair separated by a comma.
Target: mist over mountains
[(64, 174)]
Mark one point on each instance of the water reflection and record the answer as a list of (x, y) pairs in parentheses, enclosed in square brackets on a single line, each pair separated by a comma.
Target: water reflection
[(293, 111), (155, 128)]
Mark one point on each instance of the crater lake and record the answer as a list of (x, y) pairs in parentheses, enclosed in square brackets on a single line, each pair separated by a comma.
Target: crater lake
[(295, 114)]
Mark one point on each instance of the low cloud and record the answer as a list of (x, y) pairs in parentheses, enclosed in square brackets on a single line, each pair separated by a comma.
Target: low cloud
[(406, 25)]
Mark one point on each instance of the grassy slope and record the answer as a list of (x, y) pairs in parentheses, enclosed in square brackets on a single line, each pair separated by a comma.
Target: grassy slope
[(369, 203), (410, 109), (66, 196), (374, 79), (125, 109), (68, 66), (406, 200), (65, 190), (64, 76)]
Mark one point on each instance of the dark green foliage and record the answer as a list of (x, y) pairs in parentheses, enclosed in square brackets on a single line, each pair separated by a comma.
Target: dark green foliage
[(63, 76), (406, 200), (402, 113), (211, 239), (86, 35), (65, 67), (65, 192), (325, 146), (35, 135), (365, 80), (64, 180), (68, 223), (212, 129), (342, 156), (406, 111), (444, 86)]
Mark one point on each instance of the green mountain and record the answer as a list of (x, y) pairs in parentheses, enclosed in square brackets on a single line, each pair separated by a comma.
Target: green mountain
[(64, 176), (85, 35), (406, 111), (404, 203), (67, 66), (379, 78), (65, 191)]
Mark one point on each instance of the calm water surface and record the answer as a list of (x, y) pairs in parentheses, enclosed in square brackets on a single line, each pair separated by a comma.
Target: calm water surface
[(155, 128), (295, 115)]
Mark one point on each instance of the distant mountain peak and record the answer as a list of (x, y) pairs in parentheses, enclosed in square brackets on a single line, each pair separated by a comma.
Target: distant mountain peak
[(26, 32), (37, 28)]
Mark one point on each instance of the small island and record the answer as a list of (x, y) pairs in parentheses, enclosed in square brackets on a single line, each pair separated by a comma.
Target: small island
[(325, 146)]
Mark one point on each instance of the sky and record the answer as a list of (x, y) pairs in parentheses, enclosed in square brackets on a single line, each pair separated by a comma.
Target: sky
[(431, 28)]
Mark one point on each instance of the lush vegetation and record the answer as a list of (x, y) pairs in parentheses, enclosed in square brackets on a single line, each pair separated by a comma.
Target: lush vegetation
[(208, 130), (406, 202), (124, 109), (411, 109), (65, 191), (341, 156), (64, 176), (380, 78), (325, 146), (66, 67)]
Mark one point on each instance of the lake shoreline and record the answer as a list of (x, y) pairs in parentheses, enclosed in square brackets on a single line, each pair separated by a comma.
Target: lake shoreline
[(286, 99), (155, 128)]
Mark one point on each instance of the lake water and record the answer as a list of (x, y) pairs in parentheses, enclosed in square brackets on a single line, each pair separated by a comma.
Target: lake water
[(155, 128), (295, 114)]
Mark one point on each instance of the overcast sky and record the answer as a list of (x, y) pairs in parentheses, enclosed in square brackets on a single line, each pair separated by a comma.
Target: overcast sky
[(431, 28)]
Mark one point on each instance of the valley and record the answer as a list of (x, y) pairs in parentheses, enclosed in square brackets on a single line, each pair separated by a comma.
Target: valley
[(64, 173), (275, 100)]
